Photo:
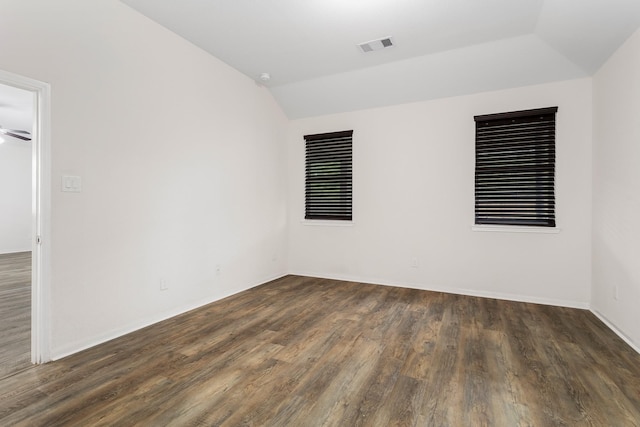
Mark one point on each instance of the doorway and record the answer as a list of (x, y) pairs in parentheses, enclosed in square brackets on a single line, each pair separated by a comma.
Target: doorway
[(29, 259), (16, 153)]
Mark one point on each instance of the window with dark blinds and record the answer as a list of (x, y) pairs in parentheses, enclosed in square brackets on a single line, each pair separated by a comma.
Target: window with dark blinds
[(515, 168), (328, 176)]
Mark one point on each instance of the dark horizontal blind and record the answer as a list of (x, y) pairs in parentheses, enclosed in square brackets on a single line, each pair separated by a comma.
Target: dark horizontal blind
[(515, 168), (328, 176)]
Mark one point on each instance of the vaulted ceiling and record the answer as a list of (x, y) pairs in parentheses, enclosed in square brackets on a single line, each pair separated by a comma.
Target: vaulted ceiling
[(442, 47)]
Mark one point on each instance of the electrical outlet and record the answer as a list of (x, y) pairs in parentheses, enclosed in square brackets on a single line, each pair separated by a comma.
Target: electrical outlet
[(414, 262), (163, 285)]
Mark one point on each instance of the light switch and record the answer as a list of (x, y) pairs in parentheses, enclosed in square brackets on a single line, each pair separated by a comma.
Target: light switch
[(71, 184)]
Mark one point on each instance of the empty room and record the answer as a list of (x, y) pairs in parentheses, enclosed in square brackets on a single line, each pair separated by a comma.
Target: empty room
[(321, 212)]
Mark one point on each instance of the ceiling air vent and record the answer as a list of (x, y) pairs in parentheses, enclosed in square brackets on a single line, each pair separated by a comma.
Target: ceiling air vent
[(376, 44)]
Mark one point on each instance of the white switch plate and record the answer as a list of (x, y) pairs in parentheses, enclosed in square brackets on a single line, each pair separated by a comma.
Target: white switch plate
[(71, 184)]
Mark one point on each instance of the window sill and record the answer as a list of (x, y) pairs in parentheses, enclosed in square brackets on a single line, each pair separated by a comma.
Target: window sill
[(515, 229), (326, 223)]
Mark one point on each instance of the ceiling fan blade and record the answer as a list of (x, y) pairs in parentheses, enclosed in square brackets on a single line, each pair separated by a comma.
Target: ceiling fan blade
[(15, 135)]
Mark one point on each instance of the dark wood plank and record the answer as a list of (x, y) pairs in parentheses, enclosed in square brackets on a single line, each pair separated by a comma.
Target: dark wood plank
[(15, 312), (315, 352)]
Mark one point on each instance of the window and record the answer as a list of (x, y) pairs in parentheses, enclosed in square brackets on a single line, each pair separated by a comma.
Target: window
[(515, 168), (328, 176)]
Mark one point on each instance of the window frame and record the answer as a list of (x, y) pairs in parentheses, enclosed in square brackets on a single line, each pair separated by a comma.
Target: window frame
[(321, 150), (515, 168)]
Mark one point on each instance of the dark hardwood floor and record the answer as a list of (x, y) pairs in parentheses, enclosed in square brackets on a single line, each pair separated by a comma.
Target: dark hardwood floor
[(312, 352), (15, 312)]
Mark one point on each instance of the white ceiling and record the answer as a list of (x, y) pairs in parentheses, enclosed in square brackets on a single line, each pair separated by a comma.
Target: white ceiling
[(443, 47)]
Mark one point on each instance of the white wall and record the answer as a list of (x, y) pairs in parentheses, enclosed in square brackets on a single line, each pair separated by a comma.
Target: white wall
[(15, 196), (181, 159), (413, 198), (184, 170), (616, 191)]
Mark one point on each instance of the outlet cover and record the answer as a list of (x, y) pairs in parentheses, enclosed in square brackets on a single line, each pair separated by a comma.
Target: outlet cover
[(71, 184)]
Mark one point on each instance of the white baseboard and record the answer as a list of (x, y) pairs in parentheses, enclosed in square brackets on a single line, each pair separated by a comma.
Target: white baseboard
[(102, 338), (483, 294), (617, 331), (450, 290), (77, 347), (14, 251)]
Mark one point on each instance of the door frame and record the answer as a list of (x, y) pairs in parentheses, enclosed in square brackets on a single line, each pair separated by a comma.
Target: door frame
[(41, 214)]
